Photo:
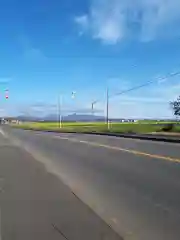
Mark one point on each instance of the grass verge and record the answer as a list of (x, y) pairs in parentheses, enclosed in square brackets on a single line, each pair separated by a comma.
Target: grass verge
[(96, 127)]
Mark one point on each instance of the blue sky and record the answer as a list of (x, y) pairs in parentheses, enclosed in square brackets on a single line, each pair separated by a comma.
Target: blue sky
[(51, 47)]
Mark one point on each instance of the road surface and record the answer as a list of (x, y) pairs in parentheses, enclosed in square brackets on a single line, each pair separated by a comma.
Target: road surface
[(52, 181)]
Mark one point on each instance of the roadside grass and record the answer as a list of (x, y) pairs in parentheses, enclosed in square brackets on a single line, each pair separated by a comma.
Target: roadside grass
[(97, 127)]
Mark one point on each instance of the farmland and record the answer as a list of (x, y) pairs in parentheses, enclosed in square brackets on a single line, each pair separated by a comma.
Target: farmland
[(139, 127)]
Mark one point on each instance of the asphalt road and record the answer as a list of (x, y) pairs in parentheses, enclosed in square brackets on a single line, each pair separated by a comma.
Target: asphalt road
[(132, 185), (36, 205)]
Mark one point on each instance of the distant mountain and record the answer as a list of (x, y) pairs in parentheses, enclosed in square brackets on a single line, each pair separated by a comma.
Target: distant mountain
[(54, 117), (50, 118), (26, 118), (77, 118), (84, 117), (74, 118)]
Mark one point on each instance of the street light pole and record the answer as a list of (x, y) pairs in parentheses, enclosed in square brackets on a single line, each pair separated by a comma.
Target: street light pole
[(60, 100), (107, 108)]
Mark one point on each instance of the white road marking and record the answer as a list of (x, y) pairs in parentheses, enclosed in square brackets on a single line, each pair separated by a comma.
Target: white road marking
[(2, 132), (122, 139), (115, 148), (0, 226), (150, 141)]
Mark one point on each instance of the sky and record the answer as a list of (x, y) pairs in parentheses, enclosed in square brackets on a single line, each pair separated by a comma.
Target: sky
[(51, 48)]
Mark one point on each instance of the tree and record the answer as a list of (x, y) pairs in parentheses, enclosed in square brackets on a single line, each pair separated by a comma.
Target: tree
[(176, 107)]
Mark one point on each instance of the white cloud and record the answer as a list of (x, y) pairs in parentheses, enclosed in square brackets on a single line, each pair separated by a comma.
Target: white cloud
[(83, 21), (34, 54), (113, 20), (29, 52)]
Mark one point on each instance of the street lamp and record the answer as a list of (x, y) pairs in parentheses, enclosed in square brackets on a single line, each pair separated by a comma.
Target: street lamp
[(107, 108), (60, 101)]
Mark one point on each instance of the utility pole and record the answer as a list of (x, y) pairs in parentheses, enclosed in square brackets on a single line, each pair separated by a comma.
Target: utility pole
[(107, 108), (92, 108), (60, 111)]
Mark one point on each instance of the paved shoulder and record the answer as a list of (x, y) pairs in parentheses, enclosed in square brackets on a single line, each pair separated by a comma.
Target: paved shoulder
[(34, 204)]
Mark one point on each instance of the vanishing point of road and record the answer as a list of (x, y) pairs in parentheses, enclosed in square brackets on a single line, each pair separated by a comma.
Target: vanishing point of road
[(84, 187)]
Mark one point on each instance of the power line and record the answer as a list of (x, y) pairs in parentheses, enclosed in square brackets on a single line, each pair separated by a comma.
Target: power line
[(146, 84), (142, 85)]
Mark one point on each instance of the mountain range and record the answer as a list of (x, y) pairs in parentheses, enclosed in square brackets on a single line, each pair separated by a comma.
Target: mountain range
[(68, 118)]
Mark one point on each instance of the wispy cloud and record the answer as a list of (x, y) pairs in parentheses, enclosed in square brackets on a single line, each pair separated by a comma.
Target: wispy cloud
[(34, 54), (113, 20), (85, 111), (152, 101), (29, 52), (5, 81), (83, 22), (43, 109)]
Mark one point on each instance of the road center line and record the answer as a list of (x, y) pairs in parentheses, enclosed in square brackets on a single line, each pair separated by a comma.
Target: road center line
[(96, 144)]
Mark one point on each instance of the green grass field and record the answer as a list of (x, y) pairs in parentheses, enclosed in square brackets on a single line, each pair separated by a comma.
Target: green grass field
[(143, 127)]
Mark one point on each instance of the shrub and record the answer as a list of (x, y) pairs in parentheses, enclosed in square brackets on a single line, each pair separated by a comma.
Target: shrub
[(168, 127)]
